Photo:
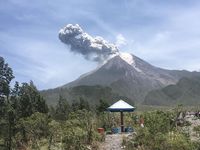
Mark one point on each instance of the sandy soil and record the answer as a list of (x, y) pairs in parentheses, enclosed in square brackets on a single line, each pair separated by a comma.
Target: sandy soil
[(113, 142)]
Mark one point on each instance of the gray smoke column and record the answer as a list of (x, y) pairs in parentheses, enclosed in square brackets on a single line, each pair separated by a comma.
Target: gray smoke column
[(92, 48)]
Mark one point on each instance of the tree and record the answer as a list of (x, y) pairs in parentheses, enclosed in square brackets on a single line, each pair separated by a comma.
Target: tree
[(62, 109), (6, 75), (30, 100), (84, 104), (6, 111), (84, 121), (14, 95), (33, 128), (15, 104), (103, 105), (75, 105)]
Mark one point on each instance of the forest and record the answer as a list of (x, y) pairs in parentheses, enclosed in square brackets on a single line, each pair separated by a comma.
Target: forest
[(28, 123)]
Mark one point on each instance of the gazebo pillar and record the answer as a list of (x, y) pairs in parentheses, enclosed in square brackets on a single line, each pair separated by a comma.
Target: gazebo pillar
[(121, 106), (122, 121)]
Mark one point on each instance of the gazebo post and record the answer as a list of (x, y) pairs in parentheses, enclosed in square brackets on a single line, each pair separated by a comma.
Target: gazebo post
[(122, 121), (121, 106)]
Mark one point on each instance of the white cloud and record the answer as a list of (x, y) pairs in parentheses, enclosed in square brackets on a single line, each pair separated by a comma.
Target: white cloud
[(47, 63), (120, 40)]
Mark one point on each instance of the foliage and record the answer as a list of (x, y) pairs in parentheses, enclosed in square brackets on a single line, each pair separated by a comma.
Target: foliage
[(80, 105), (62, 109), (78, 131), (86, 120), (185, 91), (30, 100), (83, 104), (74, 136), (159, 121), (6, 75), (31, 129), (16, 104), (103, 105), (197, 130), (90, 93), (160, 133), (26, 122), (6, 111)]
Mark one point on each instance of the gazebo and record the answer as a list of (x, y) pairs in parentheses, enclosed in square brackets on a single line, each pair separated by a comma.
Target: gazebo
[(121, 106)]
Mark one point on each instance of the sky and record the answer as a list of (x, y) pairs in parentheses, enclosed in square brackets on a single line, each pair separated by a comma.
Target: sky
[(165, 33)]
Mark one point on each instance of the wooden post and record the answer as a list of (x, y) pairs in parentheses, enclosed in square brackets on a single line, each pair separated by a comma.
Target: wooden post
[(122, 121)]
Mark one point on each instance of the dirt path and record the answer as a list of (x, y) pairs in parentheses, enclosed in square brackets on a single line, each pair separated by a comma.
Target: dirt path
[(113, 142)]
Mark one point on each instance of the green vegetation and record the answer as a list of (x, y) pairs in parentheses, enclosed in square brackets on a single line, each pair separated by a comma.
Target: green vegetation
[(26, 122), (92, 93), (185, 92), (197, 130), (160, 132)]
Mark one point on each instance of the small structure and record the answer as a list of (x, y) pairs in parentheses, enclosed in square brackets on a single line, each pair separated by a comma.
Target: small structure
[(121, 106)]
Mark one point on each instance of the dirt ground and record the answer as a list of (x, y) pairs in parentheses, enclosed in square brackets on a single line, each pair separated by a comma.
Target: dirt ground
[(113, 142)]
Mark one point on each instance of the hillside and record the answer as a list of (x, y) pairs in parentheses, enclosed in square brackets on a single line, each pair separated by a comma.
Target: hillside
[(130, 76), (126, 74), (185, 92), (90, 93)]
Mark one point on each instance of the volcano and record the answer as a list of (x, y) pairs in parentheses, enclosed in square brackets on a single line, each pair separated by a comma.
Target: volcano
[(130, 76)]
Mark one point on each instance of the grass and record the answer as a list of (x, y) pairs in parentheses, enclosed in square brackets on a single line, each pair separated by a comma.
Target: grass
[(142, 108)]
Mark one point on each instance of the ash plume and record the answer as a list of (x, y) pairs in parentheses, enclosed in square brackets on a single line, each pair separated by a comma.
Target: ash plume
[(92, 48)]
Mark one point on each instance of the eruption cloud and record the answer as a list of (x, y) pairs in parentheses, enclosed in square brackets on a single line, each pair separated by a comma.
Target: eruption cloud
[(92, 48)]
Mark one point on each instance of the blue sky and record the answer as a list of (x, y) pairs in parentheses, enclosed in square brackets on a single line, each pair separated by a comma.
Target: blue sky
[(164, 33)]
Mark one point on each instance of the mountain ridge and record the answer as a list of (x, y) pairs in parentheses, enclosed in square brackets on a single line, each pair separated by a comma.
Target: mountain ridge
[(185, 91), (130, 76)]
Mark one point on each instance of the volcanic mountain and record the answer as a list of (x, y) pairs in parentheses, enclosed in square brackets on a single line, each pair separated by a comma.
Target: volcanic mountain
[(129, 76)]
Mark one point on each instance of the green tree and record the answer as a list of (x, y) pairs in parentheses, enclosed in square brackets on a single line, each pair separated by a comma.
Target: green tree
[(33, 128), (14, 96), (75, 106), (30, 100), (158, 121), (6, 75), (84, 121), (6, 111), (103, 105), (21, 101), (62, 109), (80, 105), (83, 104)]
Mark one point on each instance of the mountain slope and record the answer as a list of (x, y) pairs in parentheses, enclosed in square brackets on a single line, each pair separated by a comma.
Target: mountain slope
[(186, 92), (90, 93), (130, 76)]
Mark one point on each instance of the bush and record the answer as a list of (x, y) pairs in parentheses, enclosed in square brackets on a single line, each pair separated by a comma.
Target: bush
[(32, 129), (74, 138), (159, 133), (159, 121)]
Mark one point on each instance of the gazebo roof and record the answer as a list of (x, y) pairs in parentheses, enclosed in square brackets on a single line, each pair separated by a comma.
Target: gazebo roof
[(121, 106)]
